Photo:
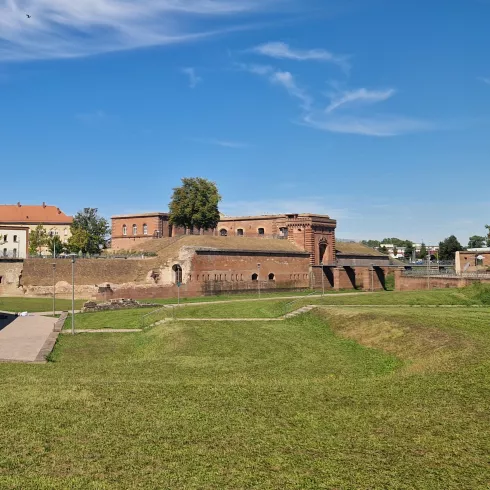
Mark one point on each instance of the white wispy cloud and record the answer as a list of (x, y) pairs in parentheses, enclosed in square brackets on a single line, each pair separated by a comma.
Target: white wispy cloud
[(287, 80), (280, 50), (73, 28), (359, 96), (284, 79), (223, 143), (377, 125), (328, 120), (484, 80), (194, 79)]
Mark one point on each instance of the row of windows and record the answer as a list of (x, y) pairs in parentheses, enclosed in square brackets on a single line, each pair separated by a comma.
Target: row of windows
[(260, 231), (219, 277), (135, 230), (6, 239), (298, 276), (14, 253)]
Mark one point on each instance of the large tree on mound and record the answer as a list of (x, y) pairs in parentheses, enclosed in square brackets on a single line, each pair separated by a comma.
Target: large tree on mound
[(90, 231), (195, 204)]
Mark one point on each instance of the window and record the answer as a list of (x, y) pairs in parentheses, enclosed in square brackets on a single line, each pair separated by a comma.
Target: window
[(1, 279), (135, 229), (177, 273), (223, 232), (5, 252), (15, 253), (261, 231), (15, 239), (239, 232), (145, 229), (5, 237), (65, 231), (283, 232), (271, 276), (125, 230), (255, 277)]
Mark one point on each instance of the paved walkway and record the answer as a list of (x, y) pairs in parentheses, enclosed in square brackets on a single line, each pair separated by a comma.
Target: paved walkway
[(104, 330), (23, 339)]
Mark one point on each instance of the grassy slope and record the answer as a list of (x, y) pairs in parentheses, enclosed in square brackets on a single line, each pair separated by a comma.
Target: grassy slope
[(289, 405), (36, 304), (277, 307)]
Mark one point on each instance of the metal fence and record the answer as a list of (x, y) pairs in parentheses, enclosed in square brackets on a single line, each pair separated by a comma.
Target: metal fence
[(446, 273)]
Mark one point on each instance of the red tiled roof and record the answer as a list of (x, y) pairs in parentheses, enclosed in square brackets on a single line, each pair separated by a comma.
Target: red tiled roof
[(18, 213)]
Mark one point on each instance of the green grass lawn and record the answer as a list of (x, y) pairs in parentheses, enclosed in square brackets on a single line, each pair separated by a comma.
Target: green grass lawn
[(275, 307), (340, 399), (108, 319), (37, 304)]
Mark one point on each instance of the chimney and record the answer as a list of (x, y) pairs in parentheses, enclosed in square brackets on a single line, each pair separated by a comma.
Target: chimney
[(59, 211), (44, 204), (19, 205)]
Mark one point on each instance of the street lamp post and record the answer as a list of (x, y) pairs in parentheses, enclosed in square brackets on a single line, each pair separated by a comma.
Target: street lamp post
[(73, 293), (323, 280), (54, 289), (258, 278)]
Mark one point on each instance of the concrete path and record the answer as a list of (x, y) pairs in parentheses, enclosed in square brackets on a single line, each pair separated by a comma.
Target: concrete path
[(104, 330), (23, 339)]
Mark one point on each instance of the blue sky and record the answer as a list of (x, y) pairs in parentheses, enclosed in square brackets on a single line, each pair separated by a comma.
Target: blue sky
[(375, 112)]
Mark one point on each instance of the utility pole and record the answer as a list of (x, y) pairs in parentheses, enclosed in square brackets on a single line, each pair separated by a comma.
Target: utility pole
[(73, 294), (258, 278), (323, 280), (54, 290)]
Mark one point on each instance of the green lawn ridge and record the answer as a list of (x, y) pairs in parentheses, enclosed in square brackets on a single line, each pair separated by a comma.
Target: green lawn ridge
[(17, 304), (340, 398)]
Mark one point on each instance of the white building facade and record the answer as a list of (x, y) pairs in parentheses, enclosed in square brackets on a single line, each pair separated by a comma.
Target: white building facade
[(14, 242)]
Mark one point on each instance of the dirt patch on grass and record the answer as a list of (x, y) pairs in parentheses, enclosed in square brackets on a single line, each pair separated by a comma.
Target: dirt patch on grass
[(425, 348)]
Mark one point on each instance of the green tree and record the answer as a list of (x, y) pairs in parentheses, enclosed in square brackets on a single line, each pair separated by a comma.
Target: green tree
[(395, 251), (423, 251), (371, 243), (409, 249), (96, 229), (383, 249), (448, 248), (55, 244), (488, 235), (477, 241), (79, 241), (37, 240), (195, 204)]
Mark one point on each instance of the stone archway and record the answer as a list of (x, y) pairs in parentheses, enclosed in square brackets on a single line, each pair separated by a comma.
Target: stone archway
[(323, 252)]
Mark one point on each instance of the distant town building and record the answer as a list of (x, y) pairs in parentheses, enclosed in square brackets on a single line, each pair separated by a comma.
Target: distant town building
[(472, 260), (55, 222), (14, 242), (400, 251)]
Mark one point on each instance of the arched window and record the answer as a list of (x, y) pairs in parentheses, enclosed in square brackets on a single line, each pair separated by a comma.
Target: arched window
[(177, 273), (239, 232), (255, 277), (271, 276), (261, 231), (125, 230), (323, 250), (145, 229), (135, 229), (65, 231), (223, 232)]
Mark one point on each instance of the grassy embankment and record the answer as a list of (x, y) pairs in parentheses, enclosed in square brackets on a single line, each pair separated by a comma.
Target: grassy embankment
[(339, 398)]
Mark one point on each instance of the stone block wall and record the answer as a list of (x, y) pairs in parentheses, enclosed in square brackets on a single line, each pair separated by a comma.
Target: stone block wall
[(10, 278)]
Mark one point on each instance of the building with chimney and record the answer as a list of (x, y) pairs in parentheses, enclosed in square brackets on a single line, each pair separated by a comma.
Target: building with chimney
[(52, 218)]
